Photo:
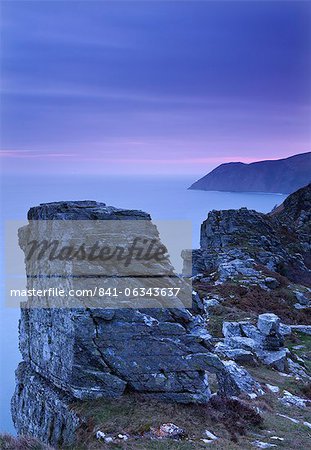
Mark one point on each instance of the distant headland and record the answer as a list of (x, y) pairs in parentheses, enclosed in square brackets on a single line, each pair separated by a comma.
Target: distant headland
[(281, 176)]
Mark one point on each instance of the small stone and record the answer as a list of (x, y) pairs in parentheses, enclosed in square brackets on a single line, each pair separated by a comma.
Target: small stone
[(307, 424), (260, 444), (289, 399), (100, 435), (108, 439), (274, 389), (169, 430), (276, 438), (306, 329), (285, 375), (123, 437), (252, 395), (302, 298), (288, 418), (210, 435), (299, 306), (210, 303), (268, 323)]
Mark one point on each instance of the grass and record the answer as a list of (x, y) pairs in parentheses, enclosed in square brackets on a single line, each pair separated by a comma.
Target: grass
[(8, 442), (305, 352), (236, 423), (230, 420), (240, 301)]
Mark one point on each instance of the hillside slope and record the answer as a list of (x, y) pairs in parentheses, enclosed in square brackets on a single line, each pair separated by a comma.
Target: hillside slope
[(282, 175)]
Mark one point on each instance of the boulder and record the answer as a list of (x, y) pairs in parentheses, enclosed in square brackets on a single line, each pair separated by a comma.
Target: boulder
[(98, 351), (289, 399), (230, 329), (268, 324), (243, 380), (238, 342), (238, 355), (276, 360)]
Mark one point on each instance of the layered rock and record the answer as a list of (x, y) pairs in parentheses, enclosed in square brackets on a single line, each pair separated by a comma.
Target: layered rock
[(263, 342), (41, 410)]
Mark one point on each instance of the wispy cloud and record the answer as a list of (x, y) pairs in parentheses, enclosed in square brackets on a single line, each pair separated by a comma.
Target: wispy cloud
[(97, 86)]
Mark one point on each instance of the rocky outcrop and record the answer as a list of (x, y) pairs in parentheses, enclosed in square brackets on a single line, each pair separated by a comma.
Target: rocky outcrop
[(295, 215), (243, 245), (72, 353), (263, 342), (283, 175)]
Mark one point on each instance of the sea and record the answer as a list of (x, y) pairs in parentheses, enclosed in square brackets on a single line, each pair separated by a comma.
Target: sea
[(164, 198)]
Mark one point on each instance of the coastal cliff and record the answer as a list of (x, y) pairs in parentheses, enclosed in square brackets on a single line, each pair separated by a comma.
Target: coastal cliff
[(282, 175)]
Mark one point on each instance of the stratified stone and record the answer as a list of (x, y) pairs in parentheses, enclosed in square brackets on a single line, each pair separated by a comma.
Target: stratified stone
[(289, 399), (243, 380), (276, 359), (239, 355), (245, 246), (40, 409)]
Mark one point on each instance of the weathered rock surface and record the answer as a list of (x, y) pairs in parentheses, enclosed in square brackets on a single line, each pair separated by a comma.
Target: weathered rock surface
[(244, 382), (41, 410), (263, 342)]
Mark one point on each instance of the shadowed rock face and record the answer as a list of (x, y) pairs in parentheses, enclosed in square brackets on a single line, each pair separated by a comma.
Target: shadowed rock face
[(86, 353), (41, 410), (283, 175)]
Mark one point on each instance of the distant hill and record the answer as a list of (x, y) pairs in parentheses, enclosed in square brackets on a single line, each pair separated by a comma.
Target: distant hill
[(281, 175)]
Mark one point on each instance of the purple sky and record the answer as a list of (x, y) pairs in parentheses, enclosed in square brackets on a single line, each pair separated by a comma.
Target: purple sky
[(153, 87)]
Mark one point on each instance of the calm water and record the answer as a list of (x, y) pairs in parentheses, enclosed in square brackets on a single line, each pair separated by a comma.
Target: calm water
[(164, 198)]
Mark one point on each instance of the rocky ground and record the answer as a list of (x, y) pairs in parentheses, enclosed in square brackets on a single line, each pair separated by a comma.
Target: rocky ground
[(251, 294)]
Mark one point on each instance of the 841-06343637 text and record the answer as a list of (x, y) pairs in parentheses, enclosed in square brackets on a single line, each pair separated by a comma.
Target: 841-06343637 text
[(96, 291)]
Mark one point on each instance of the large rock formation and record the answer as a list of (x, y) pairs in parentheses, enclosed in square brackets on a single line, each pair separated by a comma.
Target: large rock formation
[(282, 175), (85, 353)]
